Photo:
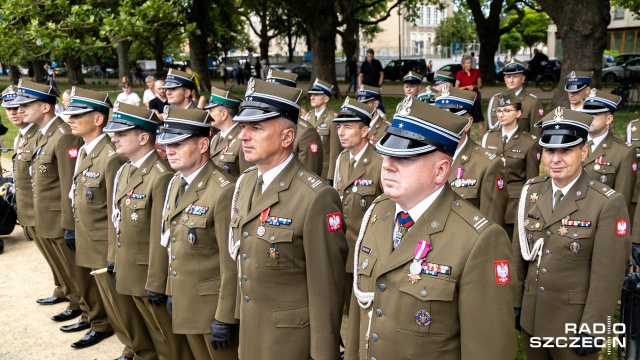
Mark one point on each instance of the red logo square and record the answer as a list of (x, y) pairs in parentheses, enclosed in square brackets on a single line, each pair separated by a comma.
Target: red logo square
[(502, 272), (313, 146), (72, 153), (541, 111), (634, 166), (621, 227), (500, 183), (334, 221)]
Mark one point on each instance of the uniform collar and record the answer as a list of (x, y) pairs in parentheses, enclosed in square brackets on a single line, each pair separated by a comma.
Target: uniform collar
[(359, 155), (191, 177), (268, 177), (565, 190), (223, 134), (509, 135), (88, 148), (46, 127), (142, 159), (459, 149), (24, 130), (319, 113), (598, 140), (420, 208), (517, 92)]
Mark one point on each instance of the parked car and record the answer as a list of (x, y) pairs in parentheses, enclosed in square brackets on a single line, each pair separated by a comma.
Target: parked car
[(452, 68), (303, 71), (280, 67), (623, 58), (396, 69), (608, 61), (553, 66), (620, 72)]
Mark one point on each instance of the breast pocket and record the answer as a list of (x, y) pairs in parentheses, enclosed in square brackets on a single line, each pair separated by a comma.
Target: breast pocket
[(366, 263), (136, 214), (91, 192), (275, 248), (426, 307), (43, 166), (324, 135), (197, 237), (577, 244), (364, 196), (228, 157)]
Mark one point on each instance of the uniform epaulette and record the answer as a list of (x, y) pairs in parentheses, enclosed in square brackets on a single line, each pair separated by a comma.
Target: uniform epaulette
[(111, 153), (533, 96), (471, 215), (61, 129), (631, 129), (303, 123), (615, 139), (159, 166), (485, 154), (601, 188), (537, 179), (343, 151), (254, 167), (387, 122), (222, 179), (310, 179), (533, 137), (380, 198)]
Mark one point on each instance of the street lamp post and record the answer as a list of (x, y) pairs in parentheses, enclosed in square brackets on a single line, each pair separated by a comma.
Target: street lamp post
[(399, 34)]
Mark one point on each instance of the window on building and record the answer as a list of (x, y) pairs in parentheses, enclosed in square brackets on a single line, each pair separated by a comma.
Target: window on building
[(618, 13), (436, 19), (418, 40), (421, 19), (428, 15)]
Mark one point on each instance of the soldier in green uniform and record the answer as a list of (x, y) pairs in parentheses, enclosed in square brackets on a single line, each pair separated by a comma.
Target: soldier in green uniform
[(50, 165), (577, 88), (287, 236), (518, 148), (633, 138), (307, 145), (611, 161), (24, 146), (226, 150), (195, 228), (357, 176), (427, 96), (570, 245), (442, 78), (532, 110), (425, 260), (321, 118), (372, 97), (477, 175), (92, 189), (180, 87), (141, 262), (412, 82)]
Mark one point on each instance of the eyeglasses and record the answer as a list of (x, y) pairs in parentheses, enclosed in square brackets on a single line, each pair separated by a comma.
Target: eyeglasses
[(505, 111)]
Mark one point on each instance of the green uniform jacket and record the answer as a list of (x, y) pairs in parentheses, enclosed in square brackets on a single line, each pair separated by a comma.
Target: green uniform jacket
[(582, 267), (365, 180), (199, 228), (290, 303), (52, 175), (328, 132), (633, 138), (617, 167), (532, 112), (378, 128), (92, 203), (471, 313), (22, 177), (522, 162), (483, 182), (227, 153), (307, 146), (141, 262)]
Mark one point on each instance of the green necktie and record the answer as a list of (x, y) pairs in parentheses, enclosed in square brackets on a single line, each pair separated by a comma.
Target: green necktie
[(181, 190), (590, 143), (257, 191), (352, 164), (132, 170), (557, 197)]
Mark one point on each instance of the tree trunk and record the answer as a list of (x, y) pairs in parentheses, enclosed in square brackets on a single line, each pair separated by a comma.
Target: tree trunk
[(264, 48), (38, 70), (4, 69), (198, 44), (158, 55), (123, 60), (584, 38), (488, 48), (350, 41), (74, 70), (14, 74)]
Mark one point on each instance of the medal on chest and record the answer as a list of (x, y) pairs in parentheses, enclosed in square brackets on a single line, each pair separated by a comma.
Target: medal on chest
[(264, 215), (419, 254)]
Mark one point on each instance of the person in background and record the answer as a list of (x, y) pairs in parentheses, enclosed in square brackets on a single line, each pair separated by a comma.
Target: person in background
[(223, 73), (127, 96), (470, 79), (474, 62), (150, 92), (264, 69), (352, 73), (158, 103), (240, 74), (372, 74), (66, 98), (258, 67)]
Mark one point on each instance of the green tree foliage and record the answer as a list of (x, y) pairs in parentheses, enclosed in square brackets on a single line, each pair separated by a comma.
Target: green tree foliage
[(533, 28), (511, 41), (457, 28)]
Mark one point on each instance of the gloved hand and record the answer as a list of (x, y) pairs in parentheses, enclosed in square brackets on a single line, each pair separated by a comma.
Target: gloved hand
[(517, 314), (111, 267), (170, 306), (221, 334), (586, 350), (330, 182), (156, 299), (635, 253), (70, 238)]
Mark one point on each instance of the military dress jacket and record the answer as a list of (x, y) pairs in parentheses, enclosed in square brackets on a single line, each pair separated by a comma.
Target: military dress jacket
[(141, 261), (93, 179), (357, 191), (460, 307), (52, 175), (331, 146), (521, 155), (291, 272), (481, 180), (633, 138), (614, 163), (582, 266), (307, 146), (227, 152), (532, 112), (198, 236), (378, 128), (24, 152)]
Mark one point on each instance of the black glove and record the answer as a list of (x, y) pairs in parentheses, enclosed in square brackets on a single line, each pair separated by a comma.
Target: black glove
[(111, 267), (635, 253), (170, 306), (586, 350), (221, 334), (330, 182), (156, 299), (516, 311), (70, 238)]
